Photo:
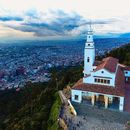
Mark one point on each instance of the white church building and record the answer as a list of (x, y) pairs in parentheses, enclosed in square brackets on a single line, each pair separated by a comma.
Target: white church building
[(104, 81)]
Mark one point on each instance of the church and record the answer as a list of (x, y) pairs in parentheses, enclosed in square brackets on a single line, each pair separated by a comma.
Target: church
[(103, 82)]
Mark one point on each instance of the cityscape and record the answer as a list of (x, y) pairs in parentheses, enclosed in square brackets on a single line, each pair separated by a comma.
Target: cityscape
[(21, 63)]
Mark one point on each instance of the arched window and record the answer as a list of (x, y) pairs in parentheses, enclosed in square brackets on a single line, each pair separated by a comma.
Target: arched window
[(88, 59)]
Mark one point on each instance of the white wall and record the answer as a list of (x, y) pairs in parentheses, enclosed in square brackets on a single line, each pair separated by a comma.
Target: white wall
[(121, 104), (88, 66), (99, 74), (86, 93), (76, 92), (127, 74)]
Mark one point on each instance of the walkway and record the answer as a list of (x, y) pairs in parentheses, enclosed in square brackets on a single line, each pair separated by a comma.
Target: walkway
[(62, 97)]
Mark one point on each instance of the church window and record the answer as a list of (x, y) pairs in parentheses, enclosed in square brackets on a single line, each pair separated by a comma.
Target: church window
[(105, 81), (76, 97), (96, 80), (88, 59), (101, 80), (108, 81), (88, 44), (102, 71)]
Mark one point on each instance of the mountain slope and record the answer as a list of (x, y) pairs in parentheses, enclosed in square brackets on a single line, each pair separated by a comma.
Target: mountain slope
[(36, 106)]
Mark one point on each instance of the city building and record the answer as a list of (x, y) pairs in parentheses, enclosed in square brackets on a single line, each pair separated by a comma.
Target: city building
[(104, 82)]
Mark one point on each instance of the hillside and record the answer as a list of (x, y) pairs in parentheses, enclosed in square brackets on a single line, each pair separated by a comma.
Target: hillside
[(122, 53), (36, 106)]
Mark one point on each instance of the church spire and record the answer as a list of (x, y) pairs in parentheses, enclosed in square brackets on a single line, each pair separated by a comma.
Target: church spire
[(90, 34), (90, 27), (89, 52)]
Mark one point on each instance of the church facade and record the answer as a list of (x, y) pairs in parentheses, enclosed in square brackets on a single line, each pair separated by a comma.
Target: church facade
[(104, 81)]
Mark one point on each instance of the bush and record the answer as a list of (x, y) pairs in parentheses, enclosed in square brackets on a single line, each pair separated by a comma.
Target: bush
[(128, 123), (54, 114)]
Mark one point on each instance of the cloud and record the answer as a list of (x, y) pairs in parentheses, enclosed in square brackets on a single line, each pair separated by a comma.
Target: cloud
[(32, 13), (52, 23), (60, 24), (10, 18)]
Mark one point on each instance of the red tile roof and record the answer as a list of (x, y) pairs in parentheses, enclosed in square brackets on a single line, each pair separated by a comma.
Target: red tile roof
[(127, 98), (118, 90), (104, 89), (120, 78), (109, 64)]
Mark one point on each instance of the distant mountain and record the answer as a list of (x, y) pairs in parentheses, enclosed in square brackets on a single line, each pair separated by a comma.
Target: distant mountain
[(125, 35)]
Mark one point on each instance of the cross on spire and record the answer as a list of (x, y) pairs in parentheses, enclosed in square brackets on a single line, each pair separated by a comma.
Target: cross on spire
[(90, 26)]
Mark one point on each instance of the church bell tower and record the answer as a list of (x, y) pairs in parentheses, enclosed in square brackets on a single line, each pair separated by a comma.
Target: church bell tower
[(89, 52)]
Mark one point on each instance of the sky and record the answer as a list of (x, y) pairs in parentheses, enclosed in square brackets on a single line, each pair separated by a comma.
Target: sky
[(63, 19)]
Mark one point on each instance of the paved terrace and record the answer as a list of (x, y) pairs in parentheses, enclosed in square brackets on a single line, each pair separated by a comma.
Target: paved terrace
[(92, 118)]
